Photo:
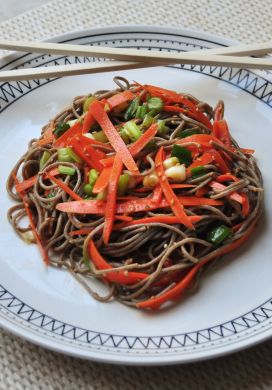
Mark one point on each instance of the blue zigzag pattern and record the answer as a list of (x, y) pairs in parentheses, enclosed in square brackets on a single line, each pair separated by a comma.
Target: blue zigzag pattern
[(34, 317)]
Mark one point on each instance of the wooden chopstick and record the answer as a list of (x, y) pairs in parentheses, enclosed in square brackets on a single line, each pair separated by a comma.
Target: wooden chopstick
[(131, 54), (134, 58)]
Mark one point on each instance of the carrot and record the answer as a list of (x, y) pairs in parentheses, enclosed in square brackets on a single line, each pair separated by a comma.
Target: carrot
[(32, 224), (47, 136), (202, 191), (88, 154), (217, 187), (167, 219), (131, 206), (138, 145), (169, 194), (179, 288), (198, 115), (227, 177), (103, 180), (64, 187), (157, 195), (176, 186), (221, 131), (64, 139), (88, 122), (205, 159), (111, 199), (121, 277), (120, 98), (28, 183), (113, 136), (219, 161)]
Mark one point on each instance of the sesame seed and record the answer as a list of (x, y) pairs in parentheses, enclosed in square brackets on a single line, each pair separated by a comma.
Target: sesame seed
[(172, 202)]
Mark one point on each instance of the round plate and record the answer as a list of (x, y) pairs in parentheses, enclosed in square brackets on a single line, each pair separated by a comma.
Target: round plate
[(232, 308)]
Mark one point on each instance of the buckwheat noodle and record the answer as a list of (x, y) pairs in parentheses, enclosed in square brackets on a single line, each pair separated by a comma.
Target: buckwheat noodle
[(158, 249)]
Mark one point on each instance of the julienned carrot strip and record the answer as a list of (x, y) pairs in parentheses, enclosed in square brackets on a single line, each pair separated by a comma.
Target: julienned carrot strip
[(88, 154), (125, 218), (113, 136), (240, 198), (64, 187), (202, 139), (198, 115), (175, 293), (157, 195), (131, 206), (102, 181), (120, 98), (205, 159), (47, 136), (245, 205), (138, 145), (121, 277), (32, 224), (83, 232), (221, 131), (227, 177), (88, 122), (177, 186), (111, 198), (202, 191), (219, 161), (93, 142), (64, 139), (159, 219), (28, 183), (169, 194)]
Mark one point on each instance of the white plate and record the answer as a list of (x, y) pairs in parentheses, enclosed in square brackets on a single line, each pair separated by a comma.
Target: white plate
[(233, 307)]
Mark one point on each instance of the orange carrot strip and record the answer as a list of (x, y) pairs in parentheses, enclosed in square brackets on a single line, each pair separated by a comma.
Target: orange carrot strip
[(120, 98), (102, 181), (111, 198), (28, 183), (169, 194), (32, 224), (64, 139), (64, 187), (121, 277), (113, 136), (131, 206)]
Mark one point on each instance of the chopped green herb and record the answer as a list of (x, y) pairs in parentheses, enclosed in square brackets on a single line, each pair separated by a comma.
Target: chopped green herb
[(66, 170), (88, 189), (61, 128), (188, 132), (218, 234), (184, 155), (141, 111), (148, 120), (133, 131), (87, 103), (123, 184), (198, 171), (93, 175), (100, 136), (45, 157), (155, 104), (132, 108)]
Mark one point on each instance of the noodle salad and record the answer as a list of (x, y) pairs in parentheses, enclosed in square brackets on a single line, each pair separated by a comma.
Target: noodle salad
[(140, 187)]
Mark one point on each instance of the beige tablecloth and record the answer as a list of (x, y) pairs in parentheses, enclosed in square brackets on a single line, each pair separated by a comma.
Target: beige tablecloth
[(26, 366)]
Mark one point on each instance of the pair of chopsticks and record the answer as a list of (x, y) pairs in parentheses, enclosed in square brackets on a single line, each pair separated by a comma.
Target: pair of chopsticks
[(123, 59)]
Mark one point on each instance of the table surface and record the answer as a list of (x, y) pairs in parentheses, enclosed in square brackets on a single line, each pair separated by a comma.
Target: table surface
[(26, 366)]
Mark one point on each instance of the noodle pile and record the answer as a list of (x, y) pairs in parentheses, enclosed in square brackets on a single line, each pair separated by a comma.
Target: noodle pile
[(165, 253)]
